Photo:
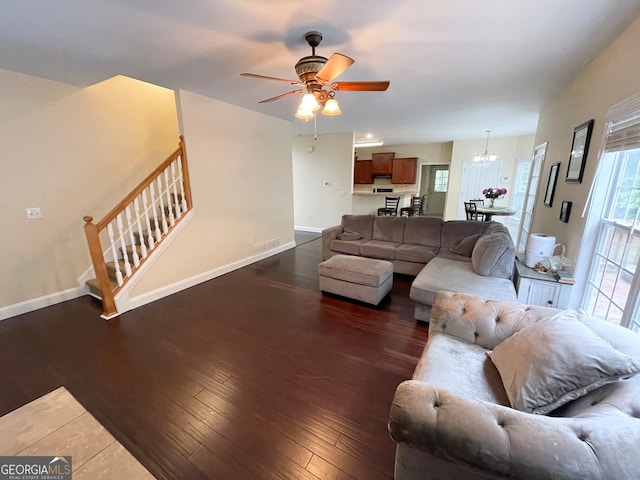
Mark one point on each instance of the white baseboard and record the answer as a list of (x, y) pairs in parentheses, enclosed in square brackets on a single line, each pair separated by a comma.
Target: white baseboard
[(126, 304), (308, 229), (42, 302)]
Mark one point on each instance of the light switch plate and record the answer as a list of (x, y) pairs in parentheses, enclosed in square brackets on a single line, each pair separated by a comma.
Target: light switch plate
[(33, 213)]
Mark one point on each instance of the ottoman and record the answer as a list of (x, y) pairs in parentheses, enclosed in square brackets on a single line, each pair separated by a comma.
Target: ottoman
[(365, 279)]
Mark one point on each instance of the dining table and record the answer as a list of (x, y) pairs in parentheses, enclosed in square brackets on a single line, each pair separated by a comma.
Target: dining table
[(489, 212)]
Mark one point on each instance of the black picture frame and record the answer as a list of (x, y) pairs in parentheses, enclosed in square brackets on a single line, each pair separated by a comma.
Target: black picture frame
[(579, 150), (551, 184), (565, 211)]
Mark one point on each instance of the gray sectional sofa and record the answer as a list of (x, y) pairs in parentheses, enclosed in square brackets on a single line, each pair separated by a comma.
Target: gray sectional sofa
[(459, 255), (509, 391)]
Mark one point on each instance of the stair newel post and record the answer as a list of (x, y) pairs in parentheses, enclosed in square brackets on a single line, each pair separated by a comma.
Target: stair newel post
[(184, 173), (123, 246), (172, 218), (176, 196), (165, 227), (114, 254), (143, 240), (145, 206), (155, 212), (100, 268), (132, 239)]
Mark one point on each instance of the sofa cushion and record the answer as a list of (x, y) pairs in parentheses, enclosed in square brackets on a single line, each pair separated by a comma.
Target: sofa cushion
[(350, 247), (493, 255), (465, 246), (379, 249), (444, 274), (557, 360), (362, 224), (454, 231), (348, 235), (423, 231), (389, 229), (415, 253)]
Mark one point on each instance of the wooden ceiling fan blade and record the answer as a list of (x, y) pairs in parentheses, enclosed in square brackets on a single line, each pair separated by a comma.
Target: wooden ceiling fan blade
[(337, 64), (264, 77), (360, 86), (284, 95)]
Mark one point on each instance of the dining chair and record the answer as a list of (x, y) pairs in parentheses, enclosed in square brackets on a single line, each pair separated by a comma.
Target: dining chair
[(390, 208), (415, 209), (471, 209)]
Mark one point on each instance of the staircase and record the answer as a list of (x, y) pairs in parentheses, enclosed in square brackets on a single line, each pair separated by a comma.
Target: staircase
[(132, 231)]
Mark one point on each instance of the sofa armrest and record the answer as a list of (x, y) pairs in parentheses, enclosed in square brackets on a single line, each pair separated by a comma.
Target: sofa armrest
[(483, 322), (329, 234), (493, 439)]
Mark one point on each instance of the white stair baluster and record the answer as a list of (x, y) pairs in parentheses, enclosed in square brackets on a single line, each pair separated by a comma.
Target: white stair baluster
[(155, 213), (114, 254), (132, 238), (123, 246), (165, 227), (181, 178), (143, 240), (172, 218), (176, 201), (145, 207)]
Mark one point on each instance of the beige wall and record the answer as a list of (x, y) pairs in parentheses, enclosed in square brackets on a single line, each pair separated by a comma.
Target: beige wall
[(330, 162), (71, 152), (612, 77), (508, 150), (240, 169)]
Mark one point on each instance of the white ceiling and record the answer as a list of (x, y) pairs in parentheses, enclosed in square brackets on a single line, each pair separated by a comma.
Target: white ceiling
[(457, 67)]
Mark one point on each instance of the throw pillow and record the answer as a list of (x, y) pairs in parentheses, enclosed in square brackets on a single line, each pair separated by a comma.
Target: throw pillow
[(465, 246), (348, 235), (556, 360)]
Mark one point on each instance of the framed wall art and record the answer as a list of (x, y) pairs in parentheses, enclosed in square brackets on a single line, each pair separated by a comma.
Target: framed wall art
[(551, 185), (565, 211), (579, 149)]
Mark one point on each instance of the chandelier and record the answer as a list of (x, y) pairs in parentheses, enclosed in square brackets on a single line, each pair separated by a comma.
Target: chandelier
[(486, 157)]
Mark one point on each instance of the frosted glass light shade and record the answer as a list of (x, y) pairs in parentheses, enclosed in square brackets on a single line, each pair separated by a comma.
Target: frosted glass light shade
[(331, 107), (309, 102)]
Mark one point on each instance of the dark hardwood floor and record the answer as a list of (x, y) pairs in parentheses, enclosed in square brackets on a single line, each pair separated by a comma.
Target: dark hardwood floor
[(253, 375)]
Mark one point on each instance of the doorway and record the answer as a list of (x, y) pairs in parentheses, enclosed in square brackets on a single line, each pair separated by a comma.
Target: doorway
[(433, 186)]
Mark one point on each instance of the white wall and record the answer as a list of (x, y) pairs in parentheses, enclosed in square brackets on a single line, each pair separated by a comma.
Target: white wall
[(72, 152), (332, 161), (508, 149), (240, 169), (613, 76)]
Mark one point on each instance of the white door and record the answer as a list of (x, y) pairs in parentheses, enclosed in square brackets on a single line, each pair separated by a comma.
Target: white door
[(437, 190), (476, 176)]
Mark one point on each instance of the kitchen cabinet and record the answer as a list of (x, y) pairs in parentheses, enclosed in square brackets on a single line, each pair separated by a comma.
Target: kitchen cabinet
[(362, 170), (382, 163), (540, 289), (404, 170)]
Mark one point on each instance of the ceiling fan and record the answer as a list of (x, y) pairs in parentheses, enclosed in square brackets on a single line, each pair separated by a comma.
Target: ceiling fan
[(315, 73)]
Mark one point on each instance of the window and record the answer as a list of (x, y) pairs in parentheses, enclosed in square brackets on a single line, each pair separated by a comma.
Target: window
[(441, 181), (520, 186), (613, 281)]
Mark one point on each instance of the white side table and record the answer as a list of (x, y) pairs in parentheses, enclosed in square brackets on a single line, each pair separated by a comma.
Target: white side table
[(535, 288)]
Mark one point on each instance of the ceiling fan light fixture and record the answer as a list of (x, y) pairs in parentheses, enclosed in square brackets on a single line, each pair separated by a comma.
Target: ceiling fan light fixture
[(304, 113), (331, 107), (309, 102)]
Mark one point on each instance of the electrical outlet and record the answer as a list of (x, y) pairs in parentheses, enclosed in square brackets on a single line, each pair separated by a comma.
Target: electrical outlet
[(341, 193), (251, 241), (33, 213), (308, 217)]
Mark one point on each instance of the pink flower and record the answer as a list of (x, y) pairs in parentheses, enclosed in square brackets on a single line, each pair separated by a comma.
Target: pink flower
[(494, 192)]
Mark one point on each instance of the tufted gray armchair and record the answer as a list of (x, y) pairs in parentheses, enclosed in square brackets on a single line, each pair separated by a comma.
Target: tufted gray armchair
[(453, 419)]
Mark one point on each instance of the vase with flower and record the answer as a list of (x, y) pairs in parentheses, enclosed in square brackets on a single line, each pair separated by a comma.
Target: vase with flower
[(493, 193)]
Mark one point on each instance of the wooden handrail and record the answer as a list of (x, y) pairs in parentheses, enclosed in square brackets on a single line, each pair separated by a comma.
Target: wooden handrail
[(141, 186), (93, 230)]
